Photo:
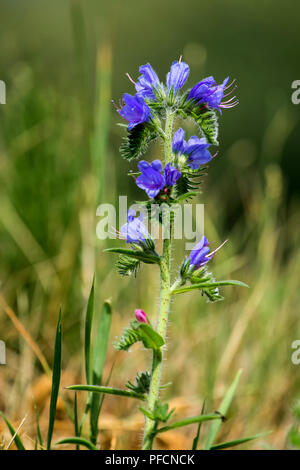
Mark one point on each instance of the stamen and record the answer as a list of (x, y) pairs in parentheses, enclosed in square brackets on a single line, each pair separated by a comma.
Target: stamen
[(230, 84), (228, 101), (217, 249), (132, 81), (229, 93), (115, 106)]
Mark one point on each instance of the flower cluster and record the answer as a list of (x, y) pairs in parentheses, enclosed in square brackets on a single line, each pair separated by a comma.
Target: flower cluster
[(137, 108)]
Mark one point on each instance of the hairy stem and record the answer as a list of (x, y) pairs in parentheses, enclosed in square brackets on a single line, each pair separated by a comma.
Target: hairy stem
[(165, 297)]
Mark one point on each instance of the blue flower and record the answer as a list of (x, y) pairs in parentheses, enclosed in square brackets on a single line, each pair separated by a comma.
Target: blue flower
[(135, 110), (152, 180), (147, 81), (178, 75), (209, 92), (195, 149), (171, 174), (199, 255), (134, 230)]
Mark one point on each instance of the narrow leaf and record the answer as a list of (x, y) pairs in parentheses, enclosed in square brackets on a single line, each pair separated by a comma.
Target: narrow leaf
[(98, 364), (136, 254), (188, 421), (224, 407), (55, 381), (79, 441), (206, 285), (76, 425), (237, 442), (196, 438), (88, 331), (17, 439), (38, 429), (108, 390)]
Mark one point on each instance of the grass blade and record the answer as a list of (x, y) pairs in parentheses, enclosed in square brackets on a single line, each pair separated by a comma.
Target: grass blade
[(17, 439), (79, 441), (196, 438), (225, 404), (87, 350), (98, 364), (108, 390), (38, 429), (76, 425), (88, 331), (188, 421), (55, 381), (237, 442)]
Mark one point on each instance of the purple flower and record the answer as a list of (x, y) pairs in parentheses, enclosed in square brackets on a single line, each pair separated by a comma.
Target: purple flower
[(147, 81), (171, 175), (152, 180), (199, 255), (209, 92), (178, 75), (141, 316), (178, 143), (135, 110), (134, 230), (195, 149)]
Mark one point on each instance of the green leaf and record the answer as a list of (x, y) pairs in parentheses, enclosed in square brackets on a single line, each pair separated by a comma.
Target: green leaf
[(38, 429), (136, 254), (98, 364), (76, 424), (147, 413), (188, 421), (207, 119), (17, 439), (88, 332), (55, 381), (196, 438), (139, 332), (223, 409), (137, 140), (208, 285), (79, 441), (294, 437), (161, 412), (237, 442), (187, 195), (150, 338), (188, 184), (108, 390)]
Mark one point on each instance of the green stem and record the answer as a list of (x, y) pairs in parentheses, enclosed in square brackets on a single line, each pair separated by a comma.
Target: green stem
[(165, 297)]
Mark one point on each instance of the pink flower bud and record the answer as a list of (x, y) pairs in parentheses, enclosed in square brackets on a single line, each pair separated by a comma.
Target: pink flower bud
[(141, 316)]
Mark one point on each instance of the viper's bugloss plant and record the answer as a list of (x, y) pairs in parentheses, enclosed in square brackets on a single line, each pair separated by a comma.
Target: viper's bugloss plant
[(152, 114)]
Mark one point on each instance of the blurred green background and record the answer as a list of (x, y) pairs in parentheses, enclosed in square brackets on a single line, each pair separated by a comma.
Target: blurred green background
[(63, 61)]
